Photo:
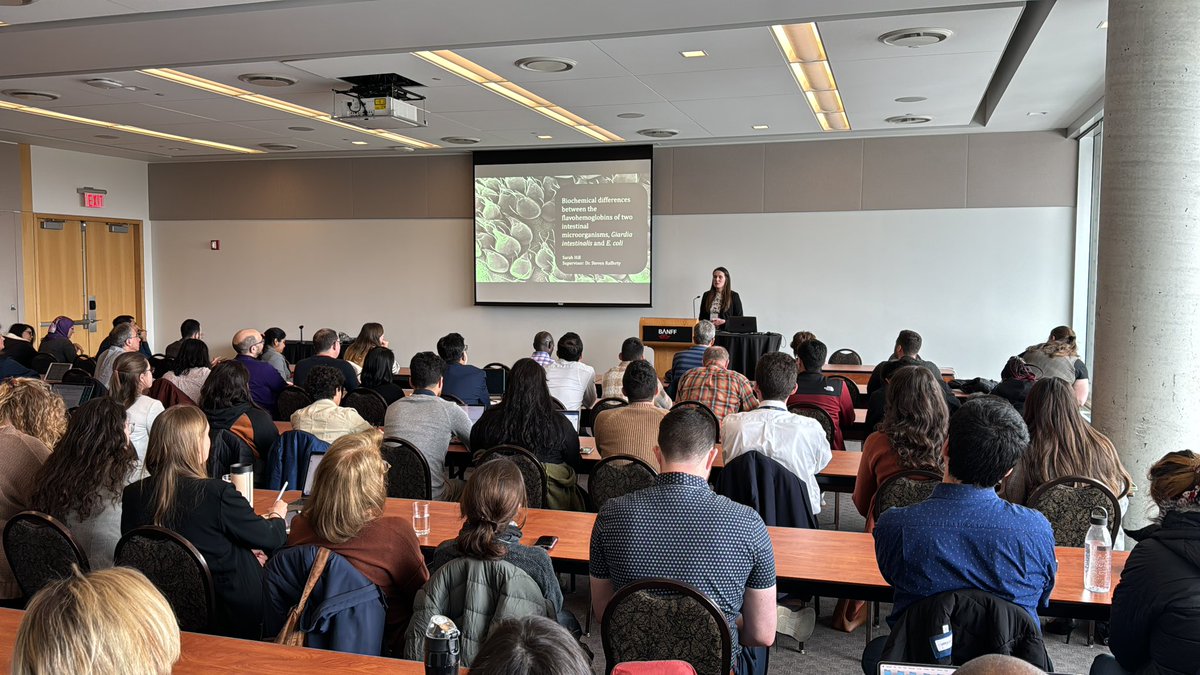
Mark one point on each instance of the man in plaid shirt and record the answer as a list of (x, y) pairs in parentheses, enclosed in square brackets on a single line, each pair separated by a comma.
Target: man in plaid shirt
[(724, 391), (543, 344)]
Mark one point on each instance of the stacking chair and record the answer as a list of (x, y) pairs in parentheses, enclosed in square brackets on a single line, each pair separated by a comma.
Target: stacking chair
[(409, 476), (531, 470), (618, 475), (41, 363), (40, 549), (587, 419), (176, 569), (851, 386), (822, 417), (291, 399), (78, 375), (369, 403), (661, 620), (558, 405), (161, 364), (905, 489), (453, 399), (703, 408), (845, 357), (85, 363), (1067, 503)]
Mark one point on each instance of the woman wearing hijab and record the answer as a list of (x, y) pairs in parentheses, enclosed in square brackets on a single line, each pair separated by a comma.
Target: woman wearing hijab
[(57, 343)]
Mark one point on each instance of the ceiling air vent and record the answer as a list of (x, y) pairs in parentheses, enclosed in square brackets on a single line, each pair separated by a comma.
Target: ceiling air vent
[(261, 80), (545, 64), (915, 37), (658, 133), (280, 147), (909, 119), (26, 95), (460, 140)]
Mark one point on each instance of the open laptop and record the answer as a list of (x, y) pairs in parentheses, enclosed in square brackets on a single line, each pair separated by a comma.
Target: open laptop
[(497, 381), (73, 395), (55, 372), (741, 324), (314, 460), (572, 417), (474, 412), (914, 669)]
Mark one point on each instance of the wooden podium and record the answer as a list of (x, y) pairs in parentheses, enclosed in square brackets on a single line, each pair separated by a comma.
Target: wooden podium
[(666, 336)]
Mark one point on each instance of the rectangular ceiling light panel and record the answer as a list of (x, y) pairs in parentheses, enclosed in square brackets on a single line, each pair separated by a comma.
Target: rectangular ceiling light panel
[(805, 53)]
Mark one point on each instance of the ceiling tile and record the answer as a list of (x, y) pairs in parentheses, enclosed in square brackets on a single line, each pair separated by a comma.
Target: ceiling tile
[(952, 83), (227, 109), (591, 61), (138, 114), (518, 118), (617, 90), (773, 80), (733, 117), (228, 74), (407, 65), (977, 30), (465, 97), (736, 48)]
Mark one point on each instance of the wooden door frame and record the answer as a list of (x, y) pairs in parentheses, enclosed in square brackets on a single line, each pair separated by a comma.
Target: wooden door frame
[(29, 228)]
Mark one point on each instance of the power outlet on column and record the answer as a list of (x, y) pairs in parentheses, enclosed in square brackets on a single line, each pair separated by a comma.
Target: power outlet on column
[(214, 244)]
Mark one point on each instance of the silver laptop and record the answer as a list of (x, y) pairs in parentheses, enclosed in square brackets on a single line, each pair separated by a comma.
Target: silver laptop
[(54, 374), (572, 417), (474, 412)]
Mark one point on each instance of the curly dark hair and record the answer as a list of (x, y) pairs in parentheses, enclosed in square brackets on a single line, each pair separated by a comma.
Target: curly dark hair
[(90, 464), (526, 416), (917, 418)]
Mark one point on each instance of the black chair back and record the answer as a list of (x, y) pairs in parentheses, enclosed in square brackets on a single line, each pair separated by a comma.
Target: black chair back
[(409, 477), (453, 399), (175, 568), (703, 408), (815, 412), (905, 489), (291, 399), (845, 357), (370, 404), (1067, 503), (227, 449), (497, 375), (618, 475), (41, 363), (558, 405), (587, 418), (851, 386), (40, 549), (78, 375), (161, 364), (85, 363), (531, 470), (661, 620)]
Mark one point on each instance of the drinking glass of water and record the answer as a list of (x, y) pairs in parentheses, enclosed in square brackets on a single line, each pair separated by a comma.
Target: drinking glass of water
[(421, 518)]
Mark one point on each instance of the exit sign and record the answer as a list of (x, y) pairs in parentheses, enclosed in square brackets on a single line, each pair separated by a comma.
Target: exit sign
[(92, 198)]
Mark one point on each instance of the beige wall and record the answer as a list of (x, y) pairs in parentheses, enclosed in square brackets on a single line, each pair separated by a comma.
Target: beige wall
[(11, 180)]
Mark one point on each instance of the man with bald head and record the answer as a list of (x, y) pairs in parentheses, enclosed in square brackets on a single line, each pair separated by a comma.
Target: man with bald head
[(997, 664), (265, 381)]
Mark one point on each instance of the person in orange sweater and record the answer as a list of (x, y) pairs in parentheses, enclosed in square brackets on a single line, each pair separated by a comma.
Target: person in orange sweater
[(632, 429)]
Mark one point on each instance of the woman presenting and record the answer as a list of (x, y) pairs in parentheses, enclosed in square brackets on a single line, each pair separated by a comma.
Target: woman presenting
[(720, 302)]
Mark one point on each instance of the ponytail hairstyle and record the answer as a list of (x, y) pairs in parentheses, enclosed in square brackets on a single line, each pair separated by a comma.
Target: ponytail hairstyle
[(1175, 482), (1061, 343), (494, 495), (126, 384)]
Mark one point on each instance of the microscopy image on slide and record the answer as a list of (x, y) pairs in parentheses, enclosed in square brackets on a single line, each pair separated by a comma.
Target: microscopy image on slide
[(555, 229)]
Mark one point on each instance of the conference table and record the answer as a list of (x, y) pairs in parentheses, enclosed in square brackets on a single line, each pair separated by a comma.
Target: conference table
[(861, 375)]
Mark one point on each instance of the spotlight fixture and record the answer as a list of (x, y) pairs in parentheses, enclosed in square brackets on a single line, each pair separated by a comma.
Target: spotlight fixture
[(760, 127), (695, 54), (544, 137), (358, 142), (805, 53)]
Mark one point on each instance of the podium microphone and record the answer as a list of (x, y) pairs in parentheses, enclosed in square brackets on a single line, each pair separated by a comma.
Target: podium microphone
[(302, 332), (695, 311)]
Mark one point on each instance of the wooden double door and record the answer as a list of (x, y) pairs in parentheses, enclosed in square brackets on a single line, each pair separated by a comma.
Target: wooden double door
[(87, 269)]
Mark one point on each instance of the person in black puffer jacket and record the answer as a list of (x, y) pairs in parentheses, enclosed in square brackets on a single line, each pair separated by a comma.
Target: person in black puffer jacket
[(1155, 624)]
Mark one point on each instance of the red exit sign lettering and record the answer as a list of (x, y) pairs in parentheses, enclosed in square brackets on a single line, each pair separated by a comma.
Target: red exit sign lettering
[(93, 200)]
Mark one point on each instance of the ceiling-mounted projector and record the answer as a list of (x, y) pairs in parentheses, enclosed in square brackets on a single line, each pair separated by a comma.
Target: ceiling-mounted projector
[(379, 102)]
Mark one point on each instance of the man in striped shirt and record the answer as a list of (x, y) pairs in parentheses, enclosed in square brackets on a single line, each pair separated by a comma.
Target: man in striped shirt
[(724, 391)]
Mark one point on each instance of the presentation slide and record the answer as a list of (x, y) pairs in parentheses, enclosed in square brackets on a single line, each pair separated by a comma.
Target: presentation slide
[(563, 232)]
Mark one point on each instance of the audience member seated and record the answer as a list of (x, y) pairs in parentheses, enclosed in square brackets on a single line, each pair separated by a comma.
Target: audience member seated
[(377, 375), (188, 330), (530, 645), (461, 379), (1155, 621), (998, 664), (1016, 380), (965, 536), (225, 400), (571, 381), (527, 417), (492, 504), (107, 622), (144, 348), (325, 418), (681, 530), (723, 390), (327, 348), (192, 366), (428, 421), (57, 341), (795, 441), (908, 344), (210, 514), (1059, 357), (632, 350), (275, 340), (18, 344), (704, 333), (813, 388), (265, 381), (877, 401), (130, 379), (10, 368), (1062, 443), (369, 337), (81, 482), (345, 514), (543, 344), (799, 338), (123, 339), (32, 419), (632, 429)]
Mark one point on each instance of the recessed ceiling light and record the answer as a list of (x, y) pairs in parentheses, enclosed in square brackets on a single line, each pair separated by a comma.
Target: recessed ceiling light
[(695, 54), (108, 137), (759, 127), (659, 133), (1036, 113), (544, 137), (909, 119), (104, 83), (26, 95), (278, 146), (177, 149), (300, 128), (804, 51), (263, 80), (910, 99), (1103, 25), (915, 37), (358, 142), (460, 140), (546, 64), (630, 115)]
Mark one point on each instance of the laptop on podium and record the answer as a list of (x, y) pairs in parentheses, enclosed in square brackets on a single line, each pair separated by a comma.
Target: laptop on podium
[(741, 324)]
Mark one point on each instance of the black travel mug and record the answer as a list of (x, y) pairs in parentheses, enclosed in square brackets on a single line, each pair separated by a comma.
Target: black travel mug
[(441, 647)]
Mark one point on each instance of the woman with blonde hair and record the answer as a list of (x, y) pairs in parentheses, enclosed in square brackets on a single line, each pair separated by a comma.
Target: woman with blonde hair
[(131, 377), (369, 337), (209, 513), (33, 408), (109, 622), (1062, 443), (1059, 357), (345, 514)]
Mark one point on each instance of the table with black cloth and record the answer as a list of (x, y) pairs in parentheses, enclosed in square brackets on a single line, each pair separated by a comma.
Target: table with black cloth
[(295, 350), (745, 349)]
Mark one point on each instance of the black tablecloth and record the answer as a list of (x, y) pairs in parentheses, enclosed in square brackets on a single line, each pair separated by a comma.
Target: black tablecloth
[(746, 348), (294, 350)]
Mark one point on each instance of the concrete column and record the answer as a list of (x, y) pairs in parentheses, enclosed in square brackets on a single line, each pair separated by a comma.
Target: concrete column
[(1147, 360)]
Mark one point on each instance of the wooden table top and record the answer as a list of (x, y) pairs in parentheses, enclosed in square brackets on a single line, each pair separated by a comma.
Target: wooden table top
[(202, 654), (827, 557), (861, 375)]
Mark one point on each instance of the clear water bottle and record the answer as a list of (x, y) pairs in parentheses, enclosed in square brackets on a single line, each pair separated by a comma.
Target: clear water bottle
[(1097, 554), (441, 647)]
